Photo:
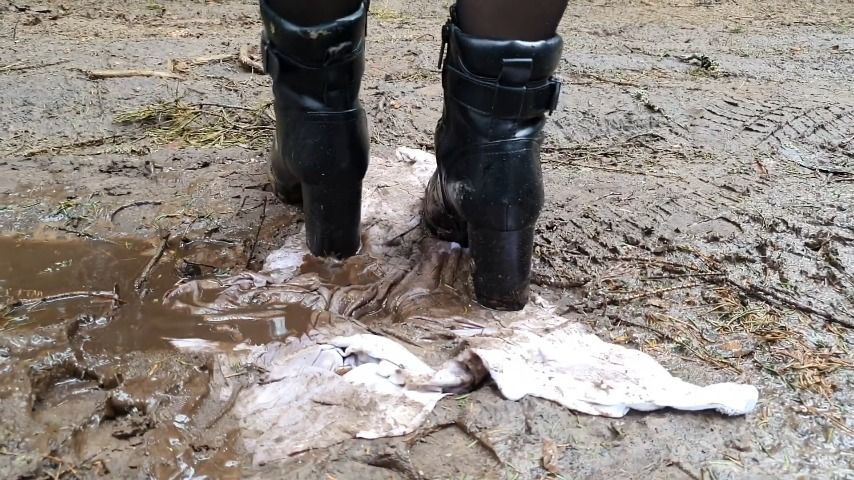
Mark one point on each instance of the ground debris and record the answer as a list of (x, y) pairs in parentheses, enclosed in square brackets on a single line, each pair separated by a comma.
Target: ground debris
[(102, 74), (140, 284), (182, 66), (550, 456), (203, 124), (249, 59)]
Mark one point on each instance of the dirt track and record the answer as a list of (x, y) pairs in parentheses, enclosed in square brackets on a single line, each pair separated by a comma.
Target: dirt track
[(700, 186)]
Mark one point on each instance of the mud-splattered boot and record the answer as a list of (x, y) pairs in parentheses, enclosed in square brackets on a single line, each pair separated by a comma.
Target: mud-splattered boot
[(320, 152), (487, 191)]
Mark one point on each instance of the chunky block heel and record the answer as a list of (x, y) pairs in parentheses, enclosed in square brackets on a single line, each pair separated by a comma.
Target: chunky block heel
[(332, 218), (502, 267)]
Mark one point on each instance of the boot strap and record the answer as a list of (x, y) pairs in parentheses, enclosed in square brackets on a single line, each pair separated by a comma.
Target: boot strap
[(334, 78), (491, 97)]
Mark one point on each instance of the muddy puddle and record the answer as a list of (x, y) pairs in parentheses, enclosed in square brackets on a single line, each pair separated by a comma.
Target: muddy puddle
[(109, 294), (86, 362)]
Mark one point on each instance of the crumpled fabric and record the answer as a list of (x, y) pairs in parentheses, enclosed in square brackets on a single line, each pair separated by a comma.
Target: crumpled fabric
[(314, 395), (342, 378)]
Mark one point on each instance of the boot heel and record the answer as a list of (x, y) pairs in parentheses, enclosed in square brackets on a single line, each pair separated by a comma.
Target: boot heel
[(502, 266), (332, 218)]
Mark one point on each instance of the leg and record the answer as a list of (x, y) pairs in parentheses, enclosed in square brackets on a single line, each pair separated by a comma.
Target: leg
[(511, 19), (488, 188), (314, 52)]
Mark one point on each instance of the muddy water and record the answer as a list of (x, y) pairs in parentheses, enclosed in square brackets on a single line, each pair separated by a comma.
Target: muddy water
[(355, 271), (93, 288)]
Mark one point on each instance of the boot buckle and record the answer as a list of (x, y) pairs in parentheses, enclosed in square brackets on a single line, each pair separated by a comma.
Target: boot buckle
[(556, 85), (509, 101), (268, 60)]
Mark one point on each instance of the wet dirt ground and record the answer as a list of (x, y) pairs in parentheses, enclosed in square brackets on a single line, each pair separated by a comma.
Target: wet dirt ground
[(700, 185)]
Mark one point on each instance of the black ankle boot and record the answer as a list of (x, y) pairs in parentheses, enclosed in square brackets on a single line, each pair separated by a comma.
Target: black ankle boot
[(487, 191), (321, 149)]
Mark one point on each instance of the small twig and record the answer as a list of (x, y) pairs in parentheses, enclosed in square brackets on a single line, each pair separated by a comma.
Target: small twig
[(614, 169), (384, 332), (683, 469), (393, 241), (685, 275), (658, 292), (422, 433), (102, 74), (79, 233), (485, 444), (32, 303), (248, 63), (133, 204), (229, 107), (114, 307), (773, 297), (647, 326), (142, 280), (17, 67), (645, 134), (229, 404), (92, 142), (60, 470), (257, 233), (607, 80), (699, 351), (562, 283), (205, 59)]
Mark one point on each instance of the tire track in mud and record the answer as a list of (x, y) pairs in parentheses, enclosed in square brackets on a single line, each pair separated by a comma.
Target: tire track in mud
[(815, 134), (689, 203), (625, 208)]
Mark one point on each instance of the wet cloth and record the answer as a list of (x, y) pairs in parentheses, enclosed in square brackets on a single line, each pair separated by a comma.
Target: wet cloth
[(340, 378)]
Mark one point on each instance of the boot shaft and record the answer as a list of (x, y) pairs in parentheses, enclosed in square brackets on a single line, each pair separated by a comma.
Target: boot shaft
[(317, 68), (500, 89)]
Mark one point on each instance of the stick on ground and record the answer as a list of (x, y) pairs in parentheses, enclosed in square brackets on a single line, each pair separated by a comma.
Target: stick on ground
[(133, 204), (17, 67), (140, 284), (246, 61), (31, 303), (257, 234), (102, 74)]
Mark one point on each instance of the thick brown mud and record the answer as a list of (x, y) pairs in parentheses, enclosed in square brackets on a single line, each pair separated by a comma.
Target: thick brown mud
[(87, 368)]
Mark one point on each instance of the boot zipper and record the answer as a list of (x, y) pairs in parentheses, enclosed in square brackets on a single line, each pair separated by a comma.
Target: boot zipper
[(446, 33)]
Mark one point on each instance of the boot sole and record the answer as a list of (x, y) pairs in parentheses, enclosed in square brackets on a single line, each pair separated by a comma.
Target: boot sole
[(502, 267)]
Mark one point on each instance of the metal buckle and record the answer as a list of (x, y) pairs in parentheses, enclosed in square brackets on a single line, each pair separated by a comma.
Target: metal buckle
[(555, 96), (265, 53)]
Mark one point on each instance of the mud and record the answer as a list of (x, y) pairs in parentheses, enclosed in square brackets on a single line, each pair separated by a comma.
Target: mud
[(699, 192)]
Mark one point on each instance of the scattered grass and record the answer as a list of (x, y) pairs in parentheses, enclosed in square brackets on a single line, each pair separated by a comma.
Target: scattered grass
[(462, 401), (152, 5), (202, 125), (416, 74), (712, 72), (385, 13), (780, 343), (801, 359)]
